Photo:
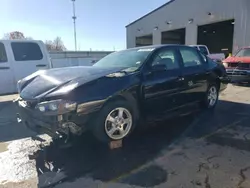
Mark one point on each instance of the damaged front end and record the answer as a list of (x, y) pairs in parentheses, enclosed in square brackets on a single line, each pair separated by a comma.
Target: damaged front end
[(57, 118)]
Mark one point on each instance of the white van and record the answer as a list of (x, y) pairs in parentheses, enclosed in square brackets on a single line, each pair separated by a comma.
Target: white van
[(19, 58)]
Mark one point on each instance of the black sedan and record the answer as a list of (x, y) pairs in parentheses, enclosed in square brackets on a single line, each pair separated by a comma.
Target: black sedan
[(114, 95)]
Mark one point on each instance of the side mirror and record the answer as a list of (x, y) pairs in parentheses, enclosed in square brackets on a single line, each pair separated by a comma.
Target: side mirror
[(159, 67)]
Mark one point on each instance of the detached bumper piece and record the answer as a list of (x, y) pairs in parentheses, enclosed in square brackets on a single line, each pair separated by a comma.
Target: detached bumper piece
[(237, 75), (54, 125)]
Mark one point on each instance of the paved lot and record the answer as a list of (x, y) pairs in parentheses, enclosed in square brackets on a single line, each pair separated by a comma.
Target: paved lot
[(9, 128), (202, 150)]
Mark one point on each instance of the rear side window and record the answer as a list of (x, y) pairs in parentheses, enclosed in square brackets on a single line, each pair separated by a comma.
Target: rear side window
[(3, 55), (168, 57), (190, 57), (26, 51), (203, 50)]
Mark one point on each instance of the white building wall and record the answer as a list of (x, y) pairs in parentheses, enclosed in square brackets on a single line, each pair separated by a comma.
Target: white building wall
[(131, 34), (79, 58), (180, 11), (242, 25), (79, 54), (157, 37), (191, 34)]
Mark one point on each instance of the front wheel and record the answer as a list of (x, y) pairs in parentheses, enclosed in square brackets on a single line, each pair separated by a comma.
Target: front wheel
[(211, 97), (114, 122)]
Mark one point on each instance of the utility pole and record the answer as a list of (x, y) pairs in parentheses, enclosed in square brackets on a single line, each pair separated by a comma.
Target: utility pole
[(74, 22)]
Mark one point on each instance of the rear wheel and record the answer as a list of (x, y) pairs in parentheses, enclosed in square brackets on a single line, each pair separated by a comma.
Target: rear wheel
[(114, 122), (211, 97)]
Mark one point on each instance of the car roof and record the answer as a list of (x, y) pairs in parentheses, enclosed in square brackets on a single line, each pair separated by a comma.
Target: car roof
[(200, 45), (157, 46)]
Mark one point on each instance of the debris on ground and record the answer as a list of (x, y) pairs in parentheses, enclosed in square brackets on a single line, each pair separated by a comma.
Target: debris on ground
[(15, 163)]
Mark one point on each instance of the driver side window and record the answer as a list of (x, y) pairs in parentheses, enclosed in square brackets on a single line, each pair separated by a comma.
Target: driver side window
[(166, 57)]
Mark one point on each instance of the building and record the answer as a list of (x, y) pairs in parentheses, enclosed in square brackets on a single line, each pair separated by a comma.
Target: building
[(76, 58), (219, 24)]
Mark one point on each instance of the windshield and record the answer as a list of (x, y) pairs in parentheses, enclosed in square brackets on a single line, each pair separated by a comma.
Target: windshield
[(132, 59), (243, 53)]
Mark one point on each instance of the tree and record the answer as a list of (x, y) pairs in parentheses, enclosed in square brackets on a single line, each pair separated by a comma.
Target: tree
[(55, 45), (15, 35), (52, 45)]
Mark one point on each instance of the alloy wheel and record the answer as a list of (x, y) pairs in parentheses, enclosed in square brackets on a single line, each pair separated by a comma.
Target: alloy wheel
[(118, 123), (212, 96)]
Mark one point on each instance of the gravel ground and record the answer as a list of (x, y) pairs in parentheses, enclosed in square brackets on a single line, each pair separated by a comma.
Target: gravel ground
[(16, 163), (207, 150)]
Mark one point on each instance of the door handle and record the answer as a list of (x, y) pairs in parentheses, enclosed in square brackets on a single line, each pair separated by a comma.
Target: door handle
[(41, 65)]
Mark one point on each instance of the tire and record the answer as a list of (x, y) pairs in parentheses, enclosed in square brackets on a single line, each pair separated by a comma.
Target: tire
[(211, 97), (104, 126)]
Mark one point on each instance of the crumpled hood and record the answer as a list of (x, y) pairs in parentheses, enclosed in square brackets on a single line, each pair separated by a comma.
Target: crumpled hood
[(237, 60), (44, 82)]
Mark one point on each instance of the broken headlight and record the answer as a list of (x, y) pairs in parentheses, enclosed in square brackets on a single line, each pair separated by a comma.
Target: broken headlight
[(56, 106)]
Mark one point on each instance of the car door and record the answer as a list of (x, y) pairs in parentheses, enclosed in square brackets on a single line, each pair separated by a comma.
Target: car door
[(28, 58), (7, 84), (194, 74), (161, 86)]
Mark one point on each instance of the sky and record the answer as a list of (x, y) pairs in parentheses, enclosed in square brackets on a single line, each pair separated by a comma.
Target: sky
[(100, 23)]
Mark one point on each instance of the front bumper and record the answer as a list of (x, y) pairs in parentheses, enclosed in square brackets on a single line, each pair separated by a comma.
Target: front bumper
[(237, 75), (53, 125)]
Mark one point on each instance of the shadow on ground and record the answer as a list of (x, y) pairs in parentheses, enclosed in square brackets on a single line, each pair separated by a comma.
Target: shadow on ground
[(235, 126), (228, 125), (10, 129), (89, 158), (4, 104), (226, 114)]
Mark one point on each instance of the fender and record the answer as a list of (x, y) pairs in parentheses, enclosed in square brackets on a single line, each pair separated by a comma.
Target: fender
[(93, 106), (132, 100), (127, 96)]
